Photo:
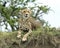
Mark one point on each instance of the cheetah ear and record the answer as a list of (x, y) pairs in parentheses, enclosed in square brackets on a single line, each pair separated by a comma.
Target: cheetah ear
[(20, 12)]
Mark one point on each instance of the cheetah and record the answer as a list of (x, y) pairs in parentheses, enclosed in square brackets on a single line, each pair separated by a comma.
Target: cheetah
[(26, 24)]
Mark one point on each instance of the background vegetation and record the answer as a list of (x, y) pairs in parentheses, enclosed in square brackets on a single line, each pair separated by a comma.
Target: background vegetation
[(9, 14)]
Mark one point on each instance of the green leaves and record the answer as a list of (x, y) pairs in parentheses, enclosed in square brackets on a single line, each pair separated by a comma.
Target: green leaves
[(27, 1), (33, 0), (44, 9), (17, 5), (21, 1)]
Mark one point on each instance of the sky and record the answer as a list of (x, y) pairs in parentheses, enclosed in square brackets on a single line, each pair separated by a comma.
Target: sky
[(53, 17)]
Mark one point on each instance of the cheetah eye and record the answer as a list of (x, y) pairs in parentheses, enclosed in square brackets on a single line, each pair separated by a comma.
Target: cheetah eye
[(24, 11), (28, 12)]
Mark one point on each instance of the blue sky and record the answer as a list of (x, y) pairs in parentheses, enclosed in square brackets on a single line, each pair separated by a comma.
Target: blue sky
[(53, 17)]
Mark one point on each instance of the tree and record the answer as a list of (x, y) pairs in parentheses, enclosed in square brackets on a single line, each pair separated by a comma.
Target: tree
[(10, 13)]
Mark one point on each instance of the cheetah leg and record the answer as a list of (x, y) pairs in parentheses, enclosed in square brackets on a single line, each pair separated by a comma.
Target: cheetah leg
[(19, 34), (26, 35)]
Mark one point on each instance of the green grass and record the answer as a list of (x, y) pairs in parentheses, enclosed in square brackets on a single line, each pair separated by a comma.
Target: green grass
[(9, 39), (35, 32)]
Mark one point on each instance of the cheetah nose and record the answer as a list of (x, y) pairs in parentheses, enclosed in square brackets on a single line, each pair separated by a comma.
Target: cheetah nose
[(26, 28), (26, 15)]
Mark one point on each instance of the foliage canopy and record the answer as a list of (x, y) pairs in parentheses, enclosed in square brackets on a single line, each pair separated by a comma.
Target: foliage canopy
[(10, 12)]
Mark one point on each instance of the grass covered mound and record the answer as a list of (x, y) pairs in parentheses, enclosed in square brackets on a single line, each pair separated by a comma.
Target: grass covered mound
[(37, 39)]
